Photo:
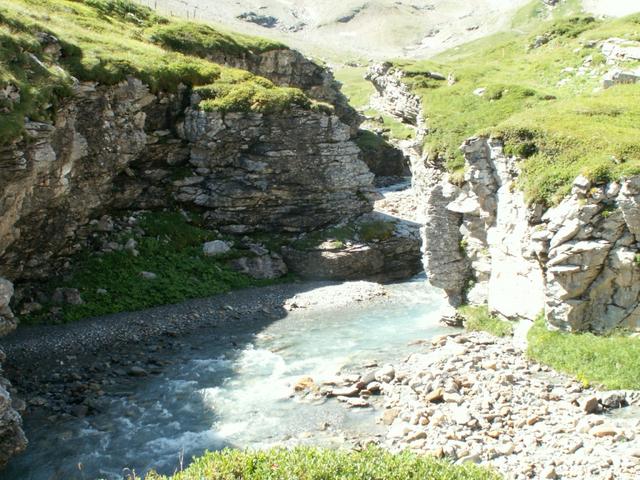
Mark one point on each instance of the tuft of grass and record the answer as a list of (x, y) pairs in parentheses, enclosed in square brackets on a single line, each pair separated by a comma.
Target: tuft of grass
[(107, 41), (376, 230), (172, 249), (478, 319), (307, 463), (609, 362), (192, 38), (550, 116), (255, 94)]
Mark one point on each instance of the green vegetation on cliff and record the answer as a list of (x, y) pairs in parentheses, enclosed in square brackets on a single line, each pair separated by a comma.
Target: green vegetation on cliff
[(170, 249), (45, 44), (304, 463), (537, 87)]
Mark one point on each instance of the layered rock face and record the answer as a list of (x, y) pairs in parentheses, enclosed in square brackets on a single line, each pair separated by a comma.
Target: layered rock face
[(12, 439), (292, 172), (118, 148), (396, 256), (289, 68), (53, 183), (577, 261), (393, 95)]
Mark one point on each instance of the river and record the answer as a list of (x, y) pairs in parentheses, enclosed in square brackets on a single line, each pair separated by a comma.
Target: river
[(234, 388)]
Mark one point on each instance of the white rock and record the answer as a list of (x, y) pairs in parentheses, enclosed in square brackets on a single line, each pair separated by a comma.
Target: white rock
[(215, 248)]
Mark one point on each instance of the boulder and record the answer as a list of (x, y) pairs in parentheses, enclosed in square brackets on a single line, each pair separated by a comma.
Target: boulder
[(67, 296), (261, 267), (215, 248)]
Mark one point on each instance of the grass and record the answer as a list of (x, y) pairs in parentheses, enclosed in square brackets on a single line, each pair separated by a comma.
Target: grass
[(354, 86), (551, 117), (192, 38), (609, 362), (250, 94), (172, 249), (108, 40), (478, 319), (305, 463)]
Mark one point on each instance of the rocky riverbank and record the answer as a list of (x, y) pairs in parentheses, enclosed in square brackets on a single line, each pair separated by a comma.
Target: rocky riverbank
[(75, 369), (472, 397)]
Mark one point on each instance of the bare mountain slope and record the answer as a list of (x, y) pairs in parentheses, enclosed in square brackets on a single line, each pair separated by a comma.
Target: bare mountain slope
[(368, 29)]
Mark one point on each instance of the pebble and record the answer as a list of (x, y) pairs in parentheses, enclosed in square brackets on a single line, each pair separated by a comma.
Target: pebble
[(137, 371)]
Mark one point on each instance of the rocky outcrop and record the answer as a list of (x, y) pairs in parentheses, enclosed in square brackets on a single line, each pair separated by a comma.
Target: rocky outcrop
[(294, 172), (12, 439), (118, 148), (577, 261), (289, 68), (53, 182), (395, 255), (444, 261), (393, 95)]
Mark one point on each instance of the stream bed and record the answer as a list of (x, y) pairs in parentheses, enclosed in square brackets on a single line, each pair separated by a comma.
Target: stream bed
[(233, 388)]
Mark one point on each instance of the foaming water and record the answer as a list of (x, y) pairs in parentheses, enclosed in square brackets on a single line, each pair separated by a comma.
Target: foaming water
[(235, 390)]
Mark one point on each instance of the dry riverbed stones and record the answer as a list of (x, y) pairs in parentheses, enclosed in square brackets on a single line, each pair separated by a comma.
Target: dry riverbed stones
[(475, 398)]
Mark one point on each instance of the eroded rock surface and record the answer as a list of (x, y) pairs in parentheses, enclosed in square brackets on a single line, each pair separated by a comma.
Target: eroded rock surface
[(294, 171), (12, 438), (576, 261)]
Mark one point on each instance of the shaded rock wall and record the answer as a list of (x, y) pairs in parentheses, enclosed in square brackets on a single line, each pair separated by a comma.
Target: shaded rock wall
[(55, 180), (119, 147), (12, 439), (292, 172)]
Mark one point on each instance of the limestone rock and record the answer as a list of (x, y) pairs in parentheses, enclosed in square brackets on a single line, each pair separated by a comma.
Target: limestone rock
[(215, 248), (7, 320), (294, 171), (12, 438), (261, 267)]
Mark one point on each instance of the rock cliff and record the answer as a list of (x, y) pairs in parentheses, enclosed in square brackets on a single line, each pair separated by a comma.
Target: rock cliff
[(576, 261), (289, 68), (288, 172), (123, 147), (12, 439), (482, 243)]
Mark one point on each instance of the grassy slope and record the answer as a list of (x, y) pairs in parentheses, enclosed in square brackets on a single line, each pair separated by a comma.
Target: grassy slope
[(562, 130), (610, 362), (107, 40), (303, 463)]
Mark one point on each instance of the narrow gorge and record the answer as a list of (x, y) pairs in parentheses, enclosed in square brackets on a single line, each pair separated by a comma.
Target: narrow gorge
[(207, 244)]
